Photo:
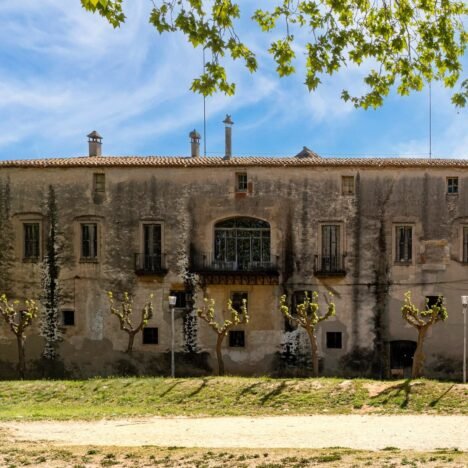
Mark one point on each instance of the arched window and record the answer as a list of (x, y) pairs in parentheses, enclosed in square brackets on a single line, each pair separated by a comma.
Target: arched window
[(244, 243)]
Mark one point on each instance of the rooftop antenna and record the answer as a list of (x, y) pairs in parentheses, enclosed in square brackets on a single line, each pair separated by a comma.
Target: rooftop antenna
[(204, 110), (430, 119)]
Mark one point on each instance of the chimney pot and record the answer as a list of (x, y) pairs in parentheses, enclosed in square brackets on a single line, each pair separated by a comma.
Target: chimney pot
[(228, 123), (195, 143), (95, 144)]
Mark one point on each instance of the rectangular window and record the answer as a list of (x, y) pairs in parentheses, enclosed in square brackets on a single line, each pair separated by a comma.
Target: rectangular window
[(452, 185), (152, 246), (299, 298), (404, 244), (237, 339), (31, 240), (237, 299), (89, 244), (68, 318), (334, 340), (241, 182), (150, 335), (465, 244), (181, 302), (99, 183), (434, 300), (347, 185), (330, 260)]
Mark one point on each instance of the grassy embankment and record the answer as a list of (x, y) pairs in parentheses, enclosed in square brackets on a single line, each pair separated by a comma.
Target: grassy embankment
[(230, 396)]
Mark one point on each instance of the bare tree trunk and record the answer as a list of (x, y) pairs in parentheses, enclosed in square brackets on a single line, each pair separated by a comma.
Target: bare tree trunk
[(219, 354), (314, 351), (21, 356), (418, 359), (131, 339)]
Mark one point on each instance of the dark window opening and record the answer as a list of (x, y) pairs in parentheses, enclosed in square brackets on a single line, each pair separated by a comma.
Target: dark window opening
[(181, 299), (241, 182), (334, 340), (452, 185), (99, 183), (401, 354), (404, 244), (89, 245), (31, 240), (152, 239), (432, 301), (465, 244), (237, 299), (68, 318), (150, 335), (237, 339)]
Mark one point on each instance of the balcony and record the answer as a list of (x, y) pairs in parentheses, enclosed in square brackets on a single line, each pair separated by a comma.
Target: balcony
[(150, 264), (217, 271), (329, 265)]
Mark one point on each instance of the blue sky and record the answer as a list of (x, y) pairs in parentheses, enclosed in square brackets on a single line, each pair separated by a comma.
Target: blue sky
[(65, 72)]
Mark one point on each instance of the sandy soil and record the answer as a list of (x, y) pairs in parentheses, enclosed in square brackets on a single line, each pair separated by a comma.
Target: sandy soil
[(367, 432)]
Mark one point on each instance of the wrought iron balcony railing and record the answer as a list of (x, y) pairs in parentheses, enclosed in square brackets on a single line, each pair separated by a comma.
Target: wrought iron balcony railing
[(209, 263), (329, 265), (150, 264)]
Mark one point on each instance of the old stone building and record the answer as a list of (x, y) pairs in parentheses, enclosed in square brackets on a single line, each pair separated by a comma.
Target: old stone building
[(366, 230)]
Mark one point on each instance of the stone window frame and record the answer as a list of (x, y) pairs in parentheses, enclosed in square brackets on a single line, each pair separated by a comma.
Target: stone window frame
[(19, 220), (89, 219), (348, 189), (241, 184), (452, 185), (99, 186), (342, 232), (141, 228), (395, 247)]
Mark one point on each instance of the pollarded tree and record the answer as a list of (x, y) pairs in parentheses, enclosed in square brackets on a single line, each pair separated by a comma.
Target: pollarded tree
[(125, 313), (403, 44), (18, 319), (422, 320), (207, 313), (308, 317)]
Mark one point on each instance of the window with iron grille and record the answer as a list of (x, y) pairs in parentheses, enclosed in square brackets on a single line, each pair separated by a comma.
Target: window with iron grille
[(347, 185), (452, 185), (152, 246), (150, 335), (68, 318), (237, 299), (31, 240), (334, 340), (404, 244), (181, 299), (99, 182), (241, 182), (89, 241), (330, 260), (237, 339)]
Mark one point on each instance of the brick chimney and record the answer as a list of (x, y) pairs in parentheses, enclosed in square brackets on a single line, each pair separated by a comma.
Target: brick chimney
[(95, 144), (195, 143), (228, 123)]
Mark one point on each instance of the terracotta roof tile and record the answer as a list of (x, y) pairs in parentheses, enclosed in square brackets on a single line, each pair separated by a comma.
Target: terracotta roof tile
[(167, 161)]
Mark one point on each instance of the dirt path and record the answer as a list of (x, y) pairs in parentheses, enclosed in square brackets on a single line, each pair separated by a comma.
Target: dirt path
[(359, 432)]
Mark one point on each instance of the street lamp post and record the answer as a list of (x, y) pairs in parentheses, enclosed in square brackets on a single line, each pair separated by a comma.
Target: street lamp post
[(465, 306), (172, 303)]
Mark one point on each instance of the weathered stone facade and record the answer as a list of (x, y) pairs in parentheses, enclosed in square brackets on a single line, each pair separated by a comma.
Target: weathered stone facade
[(369, 267)]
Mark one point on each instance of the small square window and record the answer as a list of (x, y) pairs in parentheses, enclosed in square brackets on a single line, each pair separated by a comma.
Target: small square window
[(241, 182), (347, 185), (452, 185), (68, 318), (181, 301), (237, 299), (150, 335), (334, 340), (431, 301), (99, 182), (237, 339)]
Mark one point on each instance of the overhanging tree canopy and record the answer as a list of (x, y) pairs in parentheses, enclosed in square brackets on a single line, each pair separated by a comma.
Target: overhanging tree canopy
[(407, 42)]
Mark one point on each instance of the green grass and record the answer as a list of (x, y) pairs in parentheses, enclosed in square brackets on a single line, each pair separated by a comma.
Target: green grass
[(229, 396)]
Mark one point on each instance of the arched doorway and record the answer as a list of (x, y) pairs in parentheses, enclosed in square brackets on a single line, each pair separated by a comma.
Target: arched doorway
[(244, 243)]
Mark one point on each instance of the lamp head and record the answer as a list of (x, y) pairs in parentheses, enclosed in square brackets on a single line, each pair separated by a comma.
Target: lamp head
[(172, 300)]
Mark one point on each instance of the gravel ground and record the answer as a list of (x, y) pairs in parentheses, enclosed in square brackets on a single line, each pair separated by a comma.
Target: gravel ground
[(366, 432)]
